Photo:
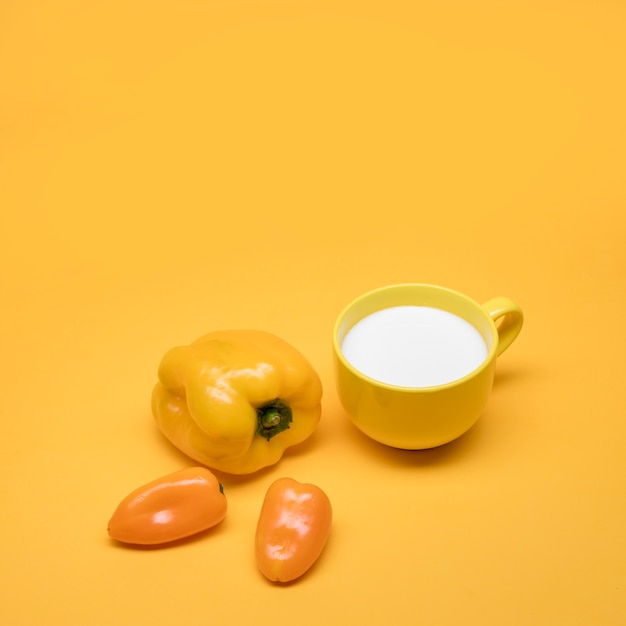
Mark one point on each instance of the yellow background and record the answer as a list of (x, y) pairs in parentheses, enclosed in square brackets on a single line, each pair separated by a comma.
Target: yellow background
[(168, 168)]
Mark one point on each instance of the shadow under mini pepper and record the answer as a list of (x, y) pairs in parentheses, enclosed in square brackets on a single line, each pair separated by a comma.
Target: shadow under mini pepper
[(235, 400)]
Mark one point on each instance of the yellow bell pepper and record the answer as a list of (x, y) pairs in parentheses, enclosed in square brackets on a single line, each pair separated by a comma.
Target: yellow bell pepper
[(235, 400)]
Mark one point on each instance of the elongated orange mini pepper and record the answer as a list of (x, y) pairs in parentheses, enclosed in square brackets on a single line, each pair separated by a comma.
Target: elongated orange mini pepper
[(171, 507), (293, 527)]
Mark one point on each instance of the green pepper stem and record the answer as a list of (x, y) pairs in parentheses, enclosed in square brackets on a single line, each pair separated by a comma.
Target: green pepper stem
[(273, 418), (270, 418)]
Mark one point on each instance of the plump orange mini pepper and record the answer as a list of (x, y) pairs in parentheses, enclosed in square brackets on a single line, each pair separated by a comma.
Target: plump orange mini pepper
[(235, 400), (292, 530), (169, 508)]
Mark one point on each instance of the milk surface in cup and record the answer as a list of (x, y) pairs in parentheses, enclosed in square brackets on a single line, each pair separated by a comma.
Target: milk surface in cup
[(414, 346)]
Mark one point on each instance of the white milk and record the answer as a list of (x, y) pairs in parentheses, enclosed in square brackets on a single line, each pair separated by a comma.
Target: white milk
[(414, 346)]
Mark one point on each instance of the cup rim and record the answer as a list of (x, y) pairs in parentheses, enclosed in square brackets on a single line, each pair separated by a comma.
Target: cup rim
[(491, 354)]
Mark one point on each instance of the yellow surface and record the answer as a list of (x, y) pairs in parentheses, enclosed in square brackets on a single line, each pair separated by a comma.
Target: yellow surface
[(168, 168)]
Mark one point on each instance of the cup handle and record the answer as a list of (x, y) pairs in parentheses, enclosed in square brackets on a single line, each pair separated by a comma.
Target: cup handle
[(508, 317)]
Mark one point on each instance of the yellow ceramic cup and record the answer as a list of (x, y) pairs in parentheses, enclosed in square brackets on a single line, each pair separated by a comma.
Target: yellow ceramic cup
[(416, 418)]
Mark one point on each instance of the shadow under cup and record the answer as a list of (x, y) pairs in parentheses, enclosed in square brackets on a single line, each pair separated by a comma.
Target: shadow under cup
[(415, 418)]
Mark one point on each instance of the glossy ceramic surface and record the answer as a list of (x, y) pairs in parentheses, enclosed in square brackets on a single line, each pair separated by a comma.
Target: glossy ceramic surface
[(423, 417)]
